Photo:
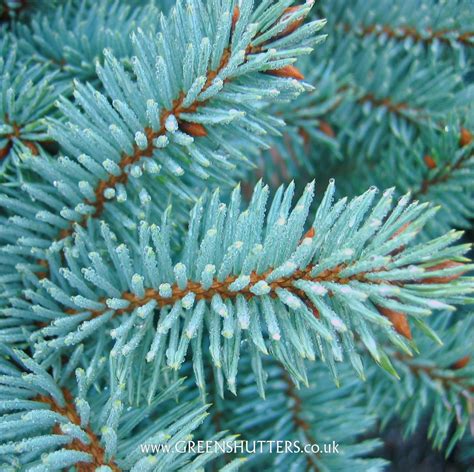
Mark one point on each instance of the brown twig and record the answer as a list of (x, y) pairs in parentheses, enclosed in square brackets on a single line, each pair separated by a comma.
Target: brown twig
[(16, 134), (298, 420), (94, 448), (434, 374), (222, 288), (444, 173), (404, 32)]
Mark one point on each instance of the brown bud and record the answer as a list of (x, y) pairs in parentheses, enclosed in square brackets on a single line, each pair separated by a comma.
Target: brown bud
[(430, 162), (287, 71), (399, 321), (235, 16), (315, 311), (304, 134), (326, 128), (194, 129), (310, 233), (4, 152), (401, 230), (460, 363), (43, 263), (465, 138), (292, 26), (443, 279), (396, 233)]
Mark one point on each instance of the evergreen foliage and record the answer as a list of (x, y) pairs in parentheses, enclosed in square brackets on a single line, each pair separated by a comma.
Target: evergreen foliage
[(154, 290)]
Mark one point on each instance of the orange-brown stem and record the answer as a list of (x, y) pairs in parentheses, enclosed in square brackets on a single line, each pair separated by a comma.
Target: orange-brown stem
[(385, 102), (404, 32), (16, 134), (433, 373), (222, 288), (177, 109), (94, 448), (445, 172)]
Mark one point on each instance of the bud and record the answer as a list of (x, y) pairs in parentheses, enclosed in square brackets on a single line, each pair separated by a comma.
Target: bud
[(292, 26), (315, 311), (326, 128), (401, 230), (461, 363), (444, 279), (399, 321), (43, 263), (304, 134), (310, 233), (465, 137), (193, 129), (4, 151), (396, 233), (287, 72), (235, 16), (430, 162)]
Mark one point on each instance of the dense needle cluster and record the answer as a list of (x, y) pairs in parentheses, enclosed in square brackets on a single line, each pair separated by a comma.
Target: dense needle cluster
[(149, 298)]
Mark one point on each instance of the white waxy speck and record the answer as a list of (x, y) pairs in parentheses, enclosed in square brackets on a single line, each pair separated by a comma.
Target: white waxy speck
[(338, 324), (165, 290), (222, 312), (437, 305), (375, 223), (161, 141), (261, 288), (244, 324), (145, 197), (136, 171), (188, 300), (141, 140), (109, 193), (318, 289), (151, 166), (171, 124)]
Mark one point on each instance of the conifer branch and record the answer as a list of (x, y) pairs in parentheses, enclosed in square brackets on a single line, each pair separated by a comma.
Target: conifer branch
[(447, 169), (46, 425), (26, 98), (151, 135), (441, 376), (141, 133), (308, 415), (233, 275), (93, 448), (401, 33)]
